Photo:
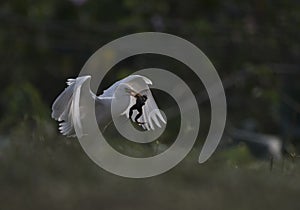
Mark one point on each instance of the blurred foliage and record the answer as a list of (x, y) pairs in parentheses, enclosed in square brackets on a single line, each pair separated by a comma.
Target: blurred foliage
[(25, 103), (254, 45)]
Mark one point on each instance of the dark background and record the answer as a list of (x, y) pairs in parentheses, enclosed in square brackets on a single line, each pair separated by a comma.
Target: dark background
[(255, 48)]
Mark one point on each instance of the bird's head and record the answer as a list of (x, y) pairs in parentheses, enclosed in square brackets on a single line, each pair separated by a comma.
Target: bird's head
[(145, 97)]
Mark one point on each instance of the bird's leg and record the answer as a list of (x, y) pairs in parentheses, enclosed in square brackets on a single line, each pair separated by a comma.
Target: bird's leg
[(157, 147), (105, 127)]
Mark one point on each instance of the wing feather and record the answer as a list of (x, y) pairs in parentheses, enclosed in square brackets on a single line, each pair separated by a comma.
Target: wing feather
[(139, 84), (66, 107)]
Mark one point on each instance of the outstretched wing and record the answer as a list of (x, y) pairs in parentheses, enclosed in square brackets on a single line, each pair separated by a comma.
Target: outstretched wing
[(122, 90), (66, 109)]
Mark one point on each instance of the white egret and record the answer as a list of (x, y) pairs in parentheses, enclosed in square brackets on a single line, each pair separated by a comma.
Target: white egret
[(66, 110)]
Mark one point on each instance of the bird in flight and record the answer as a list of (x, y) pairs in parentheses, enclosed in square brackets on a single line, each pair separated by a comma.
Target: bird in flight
[(131, 93)]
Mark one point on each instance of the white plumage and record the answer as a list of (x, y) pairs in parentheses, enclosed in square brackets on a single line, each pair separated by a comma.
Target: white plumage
[(67, 111)]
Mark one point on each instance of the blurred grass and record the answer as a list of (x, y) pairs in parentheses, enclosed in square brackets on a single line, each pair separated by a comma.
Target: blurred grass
[(42, 170)]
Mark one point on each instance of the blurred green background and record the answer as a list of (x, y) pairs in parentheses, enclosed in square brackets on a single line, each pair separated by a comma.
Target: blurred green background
[(254, 46)]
